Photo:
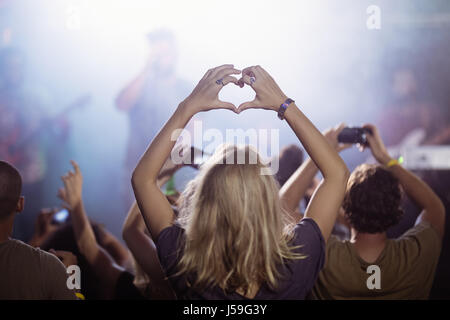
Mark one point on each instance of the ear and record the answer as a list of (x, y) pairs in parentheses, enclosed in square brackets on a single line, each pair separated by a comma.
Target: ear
[(20, 204)]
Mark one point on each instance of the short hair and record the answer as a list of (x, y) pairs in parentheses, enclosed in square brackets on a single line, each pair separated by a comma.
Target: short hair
[(10, 189), (372, 201), (290, 159)]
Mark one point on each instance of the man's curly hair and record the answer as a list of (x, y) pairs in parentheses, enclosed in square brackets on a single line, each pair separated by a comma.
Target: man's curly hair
[(372, 200)]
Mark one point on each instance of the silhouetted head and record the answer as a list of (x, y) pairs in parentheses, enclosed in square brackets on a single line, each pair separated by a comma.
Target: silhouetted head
[(290, 159), (11, 200)]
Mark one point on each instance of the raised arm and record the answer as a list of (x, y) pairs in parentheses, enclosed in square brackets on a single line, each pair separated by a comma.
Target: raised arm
[(134, 231), (327, 199), (71, 194), (433, 210), (295, 188), (43, 227), (297, 185), (152, 203), (97, 257)]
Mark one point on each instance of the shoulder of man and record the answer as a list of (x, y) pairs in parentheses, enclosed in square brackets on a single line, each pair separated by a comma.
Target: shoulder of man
[(420, 241), (337, 244), (52, 272), (46, 261), (26, 249)]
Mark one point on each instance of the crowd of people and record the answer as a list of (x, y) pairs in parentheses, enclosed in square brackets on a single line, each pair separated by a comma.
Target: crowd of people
[(234, 233)]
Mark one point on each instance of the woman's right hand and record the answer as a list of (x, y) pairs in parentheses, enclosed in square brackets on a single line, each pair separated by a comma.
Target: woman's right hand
[(268, 94), (205, 95)]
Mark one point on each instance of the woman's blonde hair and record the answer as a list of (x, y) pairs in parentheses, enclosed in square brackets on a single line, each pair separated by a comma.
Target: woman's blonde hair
[(237, 234)]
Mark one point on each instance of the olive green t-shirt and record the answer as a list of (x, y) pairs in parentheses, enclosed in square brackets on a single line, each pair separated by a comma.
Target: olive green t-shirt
[(27, 273), (406, 268)]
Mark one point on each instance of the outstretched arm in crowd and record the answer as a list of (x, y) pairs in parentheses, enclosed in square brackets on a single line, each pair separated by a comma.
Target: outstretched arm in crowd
[(153, 204), (97, 257), (43, 227), (327, 199), (297, 185), (433, 210)]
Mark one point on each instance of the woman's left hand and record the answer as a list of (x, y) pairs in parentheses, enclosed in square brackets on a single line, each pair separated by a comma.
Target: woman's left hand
[(205, 96)]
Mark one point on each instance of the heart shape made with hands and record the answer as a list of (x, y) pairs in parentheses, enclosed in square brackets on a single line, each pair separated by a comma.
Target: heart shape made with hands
[(206, 94), (268, 94), (236, 94)]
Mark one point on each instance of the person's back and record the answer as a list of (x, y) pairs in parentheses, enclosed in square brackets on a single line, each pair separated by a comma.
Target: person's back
[(407, 266), (25, 272), (371, 266), (234, 240), (296, 275), (30, 273)]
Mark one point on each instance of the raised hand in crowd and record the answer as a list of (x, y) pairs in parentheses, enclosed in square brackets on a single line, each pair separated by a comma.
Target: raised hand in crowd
[(112, 276), (44, 226), (298, 184)]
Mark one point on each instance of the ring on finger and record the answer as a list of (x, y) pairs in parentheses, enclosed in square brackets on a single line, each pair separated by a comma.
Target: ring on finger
[(252, 80), (220, 82)]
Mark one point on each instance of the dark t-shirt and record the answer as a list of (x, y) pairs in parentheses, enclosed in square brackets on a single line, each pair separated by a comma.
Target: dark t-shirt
[(298, 276)]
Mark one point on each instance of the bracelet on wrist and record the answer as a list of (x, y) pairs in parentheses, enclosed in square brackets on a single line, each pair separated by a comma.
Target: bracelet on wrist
[(283, 108), (394, 162)]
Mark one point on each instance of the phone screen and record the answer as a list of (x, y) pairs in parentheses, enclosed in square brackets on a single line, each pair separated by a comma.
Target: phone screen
[(61, 216), (353, 135)]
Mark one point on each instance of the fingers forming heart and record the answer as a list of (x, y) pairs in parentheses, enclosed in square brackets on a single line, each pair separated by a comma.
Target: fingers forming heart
[(268, 94)]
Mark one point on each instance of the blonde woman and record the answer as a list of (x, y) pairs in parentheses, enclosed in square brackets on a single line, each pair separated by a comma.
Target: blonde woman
[(234, 240)]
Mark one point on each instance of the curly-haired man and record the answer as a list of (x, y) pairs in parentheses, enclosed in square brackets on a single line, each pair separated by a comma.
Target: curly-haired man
[(404, 266)]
